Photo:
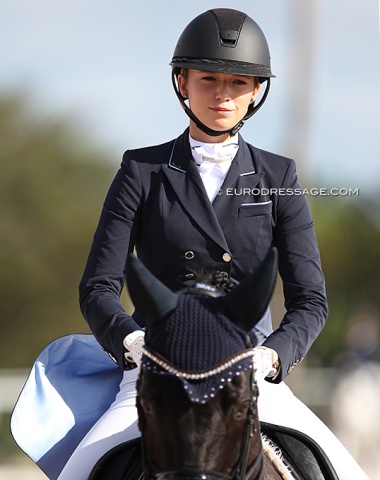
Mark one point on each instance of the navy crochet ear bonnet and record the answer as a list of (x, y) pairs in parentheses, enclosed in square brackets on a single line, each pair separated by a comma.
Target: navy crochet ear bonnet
[(198, 338)]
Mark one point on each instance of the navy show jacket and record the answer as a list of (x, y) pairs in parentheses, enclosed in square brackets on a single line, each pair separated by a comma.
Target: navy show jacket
[(157, 204)]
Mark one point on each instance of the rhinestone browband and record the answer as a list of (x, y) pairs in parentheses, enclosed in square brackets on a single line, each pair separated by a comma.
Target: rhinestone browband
[(201, 375)]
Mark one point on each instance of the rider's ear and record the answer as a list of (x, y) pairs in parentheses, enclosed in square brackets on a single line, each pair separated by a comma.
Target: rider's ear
[(151, 298), (248, 301)]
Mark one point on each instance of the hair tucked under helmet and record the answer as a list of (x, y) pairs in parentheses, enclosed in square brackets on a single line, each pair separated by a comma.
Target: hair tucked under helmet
[(226, 41)]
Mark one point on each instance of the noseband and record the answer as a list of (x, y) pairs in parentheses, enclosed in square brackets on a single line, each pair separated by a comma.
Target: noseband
[(241, 472)]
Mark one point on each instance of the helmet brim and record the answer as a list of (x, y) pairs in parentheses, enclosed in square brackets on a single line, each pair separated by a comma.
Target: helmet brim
[(223, 66)]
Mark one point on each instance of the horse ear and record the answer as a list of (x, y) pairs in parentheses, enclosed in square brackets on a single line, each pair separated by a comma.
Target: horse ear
[(151, 298), (248, 301)]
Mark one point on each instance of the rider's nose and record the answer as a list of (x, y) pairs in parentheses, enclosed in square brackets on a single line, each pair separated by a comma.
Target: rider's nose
[(222, 92)]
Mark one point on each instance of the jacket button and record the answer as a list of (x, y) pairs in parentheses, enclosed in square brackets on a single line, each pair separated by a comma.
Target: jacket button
[(189, 255), (227, 257)]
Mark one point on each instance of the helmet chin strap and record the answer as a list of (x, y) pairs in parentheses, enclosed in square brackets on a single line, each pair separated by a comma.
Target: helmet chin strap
[(209, 131)]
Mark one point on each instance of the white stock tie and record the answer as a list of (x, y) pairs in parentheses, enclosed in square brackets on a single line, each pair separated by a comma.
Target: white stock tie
[(213, 161)]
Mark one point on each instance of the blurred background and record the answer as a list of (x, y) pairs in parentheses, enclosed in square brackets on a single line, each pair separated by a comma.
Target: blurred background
[(81, 82)]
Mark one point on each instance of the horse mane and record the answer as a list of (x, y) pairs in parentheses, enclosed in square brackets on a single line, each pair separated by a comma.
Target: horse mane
[(216, 279)]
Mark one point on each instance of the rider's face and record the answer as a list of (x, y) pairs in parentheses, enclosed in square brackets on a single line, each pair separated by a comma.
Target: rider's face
[(219, 100)]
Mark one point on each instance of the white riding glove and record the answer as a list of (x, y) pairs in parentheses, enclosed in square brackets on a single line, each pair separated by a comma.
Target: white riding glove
[(266, 363), (134, 343)]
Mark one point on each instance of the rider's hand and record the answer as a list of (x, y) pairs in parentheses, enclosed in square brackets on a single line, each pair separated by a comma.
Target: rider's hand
[(134, 343), (266, 362)]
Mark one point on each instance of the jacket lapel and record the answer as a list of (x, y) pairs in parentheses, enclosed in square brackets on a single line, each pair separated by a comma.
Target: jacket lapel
[(239, 185), (185, 180)]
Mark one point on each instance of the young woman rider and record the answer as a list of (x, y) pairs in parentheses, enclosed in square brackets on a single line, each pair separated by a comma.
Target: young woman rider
[(201, 202)]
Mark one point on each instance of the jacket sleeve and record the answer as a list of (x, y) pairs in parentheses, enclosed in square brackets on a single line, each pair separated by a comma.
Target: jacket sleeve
[(104, 275), (301, 274)]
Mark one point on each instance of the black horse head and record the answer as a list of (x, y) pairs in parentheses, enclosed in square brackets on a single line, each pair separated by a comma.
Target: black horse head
[(196, 391)]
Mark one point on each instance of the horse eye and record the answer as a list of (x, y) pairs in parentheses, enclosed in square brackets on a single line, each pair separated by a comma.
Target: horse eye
[(146, 406), (243, 408)]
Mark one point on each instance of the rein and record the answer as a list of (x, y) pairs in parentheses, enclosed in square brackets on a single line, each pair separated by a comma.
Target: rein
[(241, 471)]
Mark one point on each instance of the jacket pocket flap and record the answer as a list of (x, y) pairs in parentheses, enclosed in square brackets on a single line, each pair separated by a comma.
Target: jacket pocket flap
[(255, 209)]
